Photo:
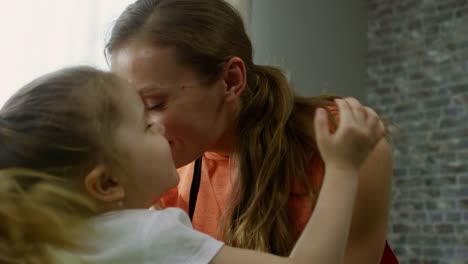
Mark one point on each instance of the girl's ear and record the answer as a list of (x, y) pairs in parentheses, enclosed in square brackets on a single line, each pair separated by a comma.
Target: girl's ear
[(102, 187)]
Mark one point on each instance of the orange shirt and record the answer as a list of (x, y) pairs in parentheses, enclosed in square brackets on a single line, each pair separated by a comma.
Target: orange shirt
[(215, 191), (213, 196)]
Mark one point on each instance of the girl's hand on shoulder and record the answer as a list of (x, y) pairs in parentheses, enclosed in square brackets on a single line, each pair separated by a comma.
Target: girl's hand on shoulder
[(358, 132)]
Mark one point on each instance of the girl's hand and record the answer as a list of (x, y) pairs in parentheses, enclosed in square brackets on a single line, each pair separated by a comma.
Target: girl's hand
[(358, 132)]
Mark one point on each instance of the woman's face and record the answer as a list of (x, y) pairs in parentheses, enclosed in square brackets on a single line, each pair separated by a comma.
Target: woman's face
[(150, 170), (196, 117)]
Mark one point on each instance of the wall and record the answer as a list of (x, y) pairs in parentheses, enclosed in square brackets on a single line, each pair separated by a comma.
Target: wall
[(243, 6), (417, 77), (321, 43)]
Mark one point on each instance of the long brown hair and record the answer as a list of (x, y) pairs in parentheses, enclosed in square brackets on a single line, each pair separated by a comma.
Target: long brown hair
[(275, 136), (52, 132)]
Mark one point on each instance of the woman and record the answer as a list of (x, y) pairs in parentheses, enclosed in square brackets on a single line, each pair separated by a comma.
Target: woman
[(250, 172)]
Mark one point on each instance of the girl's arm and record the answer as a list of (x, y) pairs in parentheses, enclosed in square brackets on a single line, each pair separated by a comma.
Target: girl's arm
[(325, 237), (368, 231)]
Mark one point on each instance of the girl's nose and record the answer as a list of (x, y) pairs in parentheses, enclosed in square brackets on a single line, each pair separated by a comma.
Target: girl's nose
[(155, 124)]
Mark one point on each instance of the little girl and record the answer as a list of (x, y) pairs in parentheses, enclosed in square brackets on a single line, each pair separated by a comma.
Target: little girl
[(75, 183)]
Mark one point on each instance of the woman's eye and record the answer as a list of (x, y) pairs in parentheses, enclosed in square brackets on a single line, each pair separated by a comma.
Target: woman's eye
[(157, 106)]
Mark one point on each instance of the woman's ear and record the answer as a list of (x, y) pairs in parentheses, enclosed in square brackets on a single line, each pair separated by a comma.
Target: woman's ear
[(235, 78), (102, 187)]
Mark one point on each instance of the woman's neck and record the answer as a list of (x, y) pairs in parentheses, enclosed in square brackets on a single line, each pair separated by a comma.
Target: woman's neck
[(225, 144)]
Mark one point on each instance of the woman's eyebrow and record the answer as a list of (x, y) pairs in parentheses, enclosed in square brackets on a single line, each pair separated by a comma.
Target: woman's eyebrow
[(147, 89)]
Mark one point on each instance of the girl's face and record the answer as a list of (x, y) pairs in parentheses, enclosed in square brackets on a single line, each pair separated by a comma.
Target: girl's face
[(196, 118), (150, 167)]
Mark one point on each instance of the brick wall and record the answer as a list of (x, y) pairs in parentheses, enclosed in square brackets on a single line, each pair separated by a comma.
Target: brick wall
[(417, 77)]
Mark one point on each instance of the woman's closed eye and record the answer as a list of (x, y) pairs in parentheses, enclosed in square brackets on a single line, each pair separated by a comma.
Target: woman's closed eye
[(156, 106), (154, 101)]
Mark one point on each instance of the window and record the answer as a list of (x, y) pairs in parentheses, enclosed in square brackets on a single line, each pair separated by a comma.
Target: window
[(42, 36)]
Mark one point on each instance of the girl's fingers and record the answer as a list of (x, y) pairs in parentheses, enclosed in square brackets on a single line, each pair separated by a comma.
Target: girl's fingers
[(373, 128), (362, 118), (382, 128), (372, 119), (344, 110), (358, 110), (378, 126), (371, 112), (321, 124)]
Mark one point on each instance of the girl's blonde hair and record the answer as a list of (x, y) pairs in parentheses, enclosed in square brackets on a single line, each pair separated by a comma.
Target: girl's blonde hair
[(275, 134), (53, 132), (39, 212)]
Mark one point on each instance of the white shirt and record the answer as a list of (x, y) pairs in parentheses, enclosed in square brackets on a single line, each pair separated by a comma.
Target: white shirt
[(146, 236)]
